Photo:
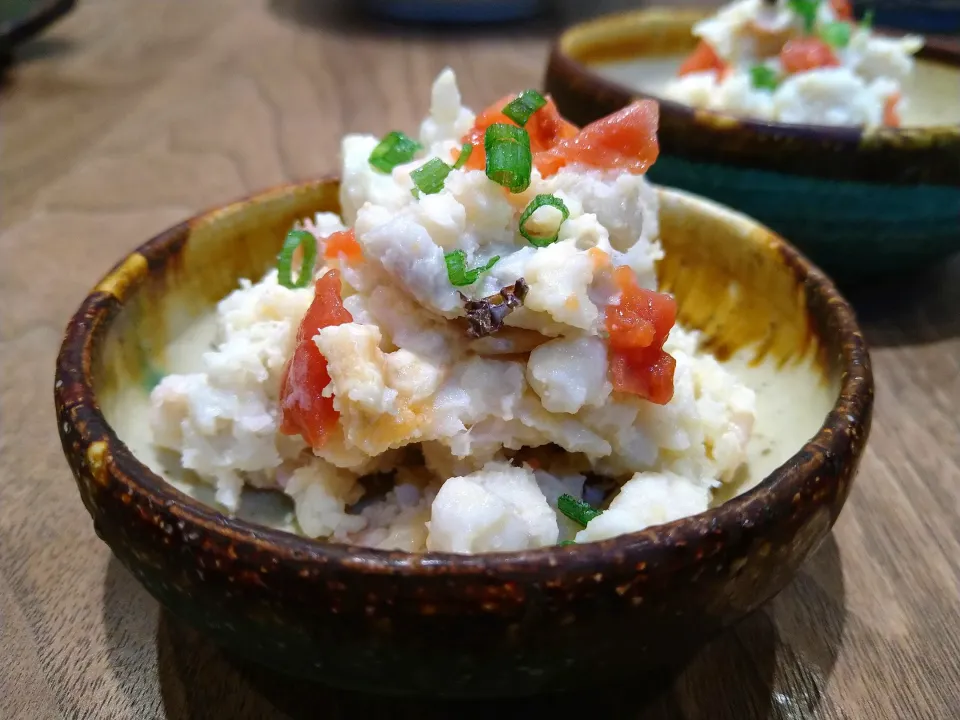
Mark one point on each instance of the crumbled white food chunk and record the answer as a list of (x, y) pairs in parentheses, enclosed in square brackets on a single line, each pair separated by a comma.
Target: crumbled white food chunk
[(568, 373), (647, 499), (498, 509)]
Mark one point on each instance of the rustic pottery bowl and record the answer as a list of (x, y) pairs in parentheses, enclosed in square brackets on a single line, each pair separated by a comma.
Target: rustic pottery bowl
[(858, 202), (442, 624)]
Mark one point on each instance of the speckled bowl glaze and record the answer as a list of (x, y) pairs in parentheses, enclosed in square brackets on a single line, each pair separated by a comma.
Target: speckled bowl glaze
[(857, 202), (440, 624)]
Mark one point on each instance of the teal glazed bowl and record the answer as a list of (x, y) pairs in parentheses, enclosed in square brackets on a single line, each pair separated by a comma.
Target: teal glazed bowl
[(858, 202)]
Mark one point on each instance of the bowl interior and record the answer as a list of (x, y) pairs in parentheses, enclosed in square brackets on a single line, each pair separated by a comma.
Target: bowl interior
[(643, 50), (731, 277)]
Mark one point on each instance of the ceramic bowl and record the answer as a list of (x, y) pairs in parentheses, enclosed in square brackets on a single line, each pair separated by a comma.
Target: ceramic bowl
[(857, 202), (454, 625)]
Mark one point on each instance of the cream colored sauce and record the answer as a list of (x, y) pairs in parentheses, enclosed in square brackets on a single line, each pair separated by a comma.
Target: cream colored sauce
[(933, 92)]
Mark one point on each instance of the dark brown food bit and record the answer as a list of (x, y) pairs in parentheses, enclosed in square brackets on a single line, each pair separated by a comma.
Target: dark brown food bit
[(485, 316)]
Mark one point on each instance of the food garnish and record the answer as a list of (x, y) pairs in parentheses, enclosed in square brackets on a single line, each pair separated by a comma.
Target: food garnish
[(486, 316), (764, 77), (296, 238), (509, 159), (429, 177), (465, 152), (395, 149), (523, 106), (538, 202), (577, 510), (836, 34), (457, 268)]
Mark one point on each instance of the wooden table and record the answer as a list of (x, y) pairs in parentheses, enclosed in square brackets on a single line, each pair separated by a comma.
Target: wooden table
[(129, 116)]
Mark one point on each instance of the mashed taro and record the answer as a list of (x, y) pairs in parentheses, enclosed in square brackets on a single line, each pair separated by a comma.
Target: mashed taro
[(796, 61), (466, 353)]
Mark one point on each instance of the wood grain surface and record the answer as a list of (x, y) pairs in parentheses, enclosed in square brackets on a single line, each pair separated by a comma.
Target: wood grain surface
[(132, 114)]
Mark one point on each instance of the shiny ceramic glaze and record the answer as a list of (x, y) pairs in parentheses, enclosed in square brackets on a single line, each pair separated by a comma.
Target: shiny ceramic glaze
[(502, 624), (857, 202)]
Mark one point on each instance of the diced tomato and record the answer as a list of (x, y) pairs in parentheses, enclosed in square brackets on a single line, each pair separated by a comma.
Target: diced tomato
[(891, 117), (546, 128), (647, 373), (626, 140), (702, 59), (638, 326), (304, 410), (807, 53), (842, 9), (342, 243)]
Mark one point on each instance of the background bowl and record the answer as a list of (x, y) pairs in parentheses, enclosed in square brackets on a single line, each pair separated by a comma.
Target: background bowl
[(857, 202), (440, 624)]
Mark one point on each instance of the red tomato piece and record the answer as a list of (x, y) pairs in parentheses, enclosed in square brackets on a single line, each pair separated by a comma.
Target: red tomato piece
[(891, 117), (626, 140), (807, 53), (342, 243), (702, 59), (647, 373), (304, 410), (638, 326), (545, 127), (842, 9)]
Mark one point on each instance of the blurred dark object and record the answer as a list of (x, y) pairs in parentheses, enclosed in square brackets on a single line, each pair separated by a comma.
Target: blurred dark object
[(22, 19), (933, 17), (455, 11)]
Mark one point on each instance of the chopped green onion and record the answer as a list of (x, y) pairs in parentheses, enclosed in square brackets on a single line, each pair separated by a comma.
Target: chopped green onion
[(509, 160), (577, 510), (465, 152), (429, 177), (457, 268), (866, 22), (523, 106), (564, 543), (285, 259), (763, 77), (395, 149), (538, 202), (807, 10), (836, 34)]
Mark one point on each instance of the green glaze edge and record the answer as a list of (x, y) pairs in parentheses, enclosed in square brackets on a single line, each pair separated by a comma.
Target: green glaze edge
[(846, 227)]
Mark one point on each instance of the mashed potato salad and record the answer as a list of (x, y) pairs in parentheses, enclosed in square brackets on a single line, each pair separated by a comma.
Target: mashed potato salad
[(796, 61), (474, 356)]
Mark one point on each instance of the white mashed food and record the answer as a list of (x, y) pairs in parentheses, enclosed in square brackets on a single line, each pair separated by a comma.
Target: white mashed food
[(477, 437), (860, 83)]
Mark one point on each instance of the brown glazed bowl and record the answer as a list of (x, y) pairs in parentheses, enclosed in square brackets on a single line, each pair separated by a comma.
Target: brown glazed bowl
[(453, 625), (858, 202)]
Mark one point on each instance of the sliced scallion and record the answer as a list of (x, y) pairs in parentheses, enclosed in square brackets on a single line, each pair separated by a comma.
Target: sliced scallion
[(395, 149), (457, 268), (509, 160), (429, 177), (465, 152), (577, 510), (523, 106), (807, 10), (763, 77), (564, 543), (836, 34), (538, 202), (295, 238)]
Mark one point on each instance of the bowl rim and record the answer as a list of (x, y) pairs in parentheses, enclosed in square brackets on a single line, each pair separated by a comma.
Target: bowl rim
[(936, 48), (88, 439)]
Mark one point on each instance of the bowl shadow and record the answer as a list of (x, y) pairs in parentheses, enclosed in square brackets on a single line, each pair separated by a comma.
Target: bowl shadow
[(761, 668), (916, 309)]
